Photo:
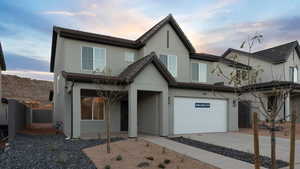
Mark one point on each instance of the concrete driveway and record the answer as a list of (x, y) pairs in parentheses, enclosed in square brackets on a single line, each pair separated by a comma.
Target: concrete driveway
[(238, 141)]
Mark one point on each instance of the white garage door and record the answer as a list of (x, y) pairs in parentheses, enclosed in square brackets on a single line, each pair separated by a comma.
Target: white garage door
[(193, 115)]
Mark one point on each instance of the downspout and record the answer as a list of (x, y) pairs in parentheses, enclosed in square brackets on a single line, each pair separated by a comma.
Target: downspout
[(72, 109)]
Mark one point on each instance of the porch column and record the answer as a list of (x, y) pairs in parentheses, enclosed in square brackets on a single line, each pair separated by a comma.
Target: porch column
[(132, 112), (287, 107), (164, 122), (76, 112)]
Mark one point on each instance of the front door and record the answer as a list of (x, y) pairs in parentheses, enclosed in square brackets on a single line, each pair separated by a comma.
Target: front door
[(124, 115)]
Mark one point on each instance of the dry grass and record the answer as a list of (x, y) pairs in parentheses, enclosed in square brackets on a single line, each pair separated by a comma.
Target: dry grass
[(282, 134), (134, 152)]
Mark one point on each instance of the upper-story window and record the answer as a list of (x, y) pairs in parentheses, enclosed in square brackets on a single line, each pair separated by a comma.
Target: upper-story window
[(293, 74), (93, 59), (241, 74), (199, 72), (129, 57), (170, 61)]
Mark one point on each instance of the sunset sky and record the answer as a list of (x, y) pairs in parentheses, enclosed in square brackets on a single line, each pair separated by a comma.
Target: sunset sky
[(211, 25)]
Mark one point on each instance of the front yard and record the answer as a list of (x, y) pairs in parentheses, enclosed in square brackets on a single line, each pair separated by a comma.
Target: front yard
[(47, 151), (132, 154)]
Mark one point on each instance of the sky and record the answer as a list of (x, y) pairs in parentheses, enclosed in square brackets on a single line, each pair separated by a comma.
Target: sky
[(211, 25)]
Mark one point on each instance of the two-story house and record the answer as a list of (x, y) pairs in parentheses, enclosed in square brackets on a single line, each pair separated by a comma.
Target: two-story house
[(169, 87), (280, 66)]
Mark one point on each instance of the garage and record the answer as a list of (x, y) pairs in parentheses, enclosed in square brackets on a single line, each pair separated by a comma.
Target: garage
[(198, 115)]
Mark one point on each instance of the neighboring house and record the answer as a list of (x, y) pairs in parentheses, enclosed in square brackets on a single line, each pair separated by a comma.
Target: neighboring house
[(280, 66), (3, 112), (170, 89)]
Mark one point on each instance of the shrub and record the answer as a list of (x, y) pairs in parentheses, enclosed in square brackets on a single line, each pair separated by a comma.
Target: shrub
[(143, 164), (163, 150), (119, 158), (161, 166), (107, 167), (147, 145), (150, 158), (167, 161)]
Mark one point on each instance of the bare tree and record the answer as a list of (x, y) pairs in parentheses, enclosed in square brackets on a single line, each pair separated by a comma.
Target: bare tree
[(111, 94), (249, 84)]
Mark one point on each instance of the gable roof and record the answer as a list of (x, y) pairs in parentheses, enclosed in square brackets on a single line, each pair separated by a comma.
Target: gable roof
[(2, 60), (277, 54), (274, 55), (114, 41), (167, 20), (135, 68)]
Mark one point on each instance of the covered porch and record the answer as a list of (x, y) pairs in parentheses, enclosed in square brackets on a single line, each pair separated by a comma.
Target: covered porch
[(137, 112)]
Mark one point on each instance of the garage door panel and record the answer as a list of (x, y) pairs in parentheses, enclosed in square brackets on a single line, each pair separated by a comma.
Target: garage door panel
[(192, 115)]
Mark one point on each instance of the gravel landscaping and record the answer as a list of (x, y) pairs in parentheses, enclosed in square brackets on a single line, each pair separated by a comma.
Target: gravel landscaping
[(228, 152), (47, 151), (139, 154)]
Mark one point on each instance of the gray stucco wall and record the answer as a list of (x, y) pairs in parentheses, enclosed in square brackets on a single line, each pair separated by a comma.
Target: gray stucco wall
[(89, 127), (158, 43), (148, 113), (232, 107), (16, 117), (115, 56), (149, 80)]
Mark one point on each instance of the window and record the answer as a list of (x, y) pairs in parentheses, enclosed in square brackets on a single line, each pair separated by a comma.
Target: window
[(170, 61), (92, 108), (241, 74), (199, 72), (93, 59), (129, 57), (293, 74)]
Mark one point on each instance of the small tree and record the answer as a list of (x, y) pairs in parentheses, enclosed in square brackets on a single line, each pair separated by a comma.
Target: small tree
[(249, 84), (111, 94)]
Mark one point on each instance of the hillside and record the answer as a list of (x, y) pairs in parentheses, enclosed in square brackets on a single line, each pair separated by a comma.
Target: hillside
[(26, 89)]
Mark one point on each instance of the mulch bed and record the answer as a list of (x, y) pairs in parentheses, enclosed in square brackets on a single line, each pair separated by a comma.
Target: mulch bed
[(228, 152), (48, 151)]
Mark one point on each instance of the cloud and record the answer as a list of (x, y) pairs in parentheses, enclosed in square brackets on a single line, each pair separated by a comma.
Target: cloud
[(17, 18), (115, 17), (20, 62), (31, 74), (275, 32), (67, 13), (203, 13)]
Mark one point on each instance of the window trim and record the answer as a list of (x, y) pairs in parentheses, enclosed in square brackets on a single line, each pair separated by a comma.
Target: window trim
[(93, 47), (92, 120), (198, 63)]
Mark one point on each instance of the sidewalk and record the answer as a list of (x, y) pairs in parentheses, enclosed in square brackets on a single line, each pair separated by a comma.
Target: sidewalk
[(202, 155)]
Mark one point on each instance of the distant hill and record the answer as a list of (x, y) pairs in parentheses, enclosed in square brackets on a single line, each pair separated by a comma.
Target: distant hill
[(26, 89)]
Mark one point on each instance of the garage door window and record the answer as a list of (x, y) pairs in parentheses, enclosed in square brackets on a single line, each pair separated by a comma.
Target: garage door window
[(199, 72)]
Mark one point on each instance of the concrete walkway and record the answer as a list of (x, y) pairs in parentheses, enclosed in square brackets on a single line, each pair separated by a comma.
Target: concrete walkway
[(201, 155), (236, 141)]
